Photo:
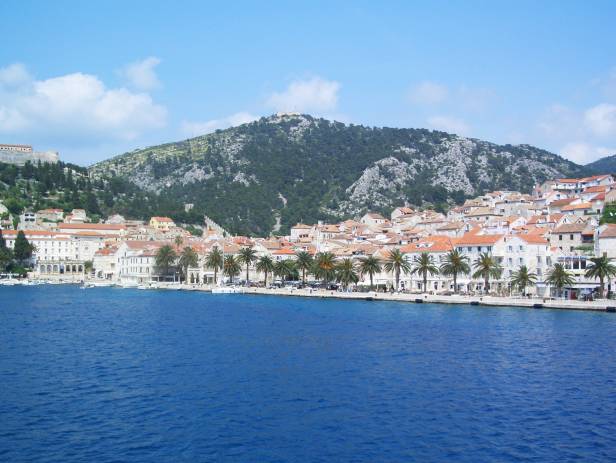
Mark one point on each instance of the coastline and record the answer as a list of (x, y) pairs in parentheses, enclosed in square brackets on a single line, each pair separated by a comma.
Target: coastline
[(486, 301), (477, 300)]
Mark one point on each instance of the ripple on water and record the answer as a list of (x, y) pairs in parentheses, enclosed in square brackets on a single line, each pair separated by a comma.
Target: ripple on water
[(107, 375)]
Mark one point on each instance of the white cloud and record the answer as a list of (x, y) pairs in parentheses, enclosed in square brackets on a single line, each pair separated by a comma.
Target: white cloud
[(449, 124), (74, 107), (315, 94), (141, 74), (559, 121), (583, 153), (428, 93), (13, 75), (601, 119), (193, 129)]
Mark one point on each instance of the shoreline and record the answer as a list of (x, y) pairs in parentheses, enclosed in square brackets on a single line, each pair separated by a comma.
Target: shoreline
[(485, 301), (479, 300)]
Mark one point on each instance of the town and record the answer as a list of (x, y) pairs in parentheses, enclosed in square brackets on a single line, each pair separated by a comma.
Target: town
[(503, 242)]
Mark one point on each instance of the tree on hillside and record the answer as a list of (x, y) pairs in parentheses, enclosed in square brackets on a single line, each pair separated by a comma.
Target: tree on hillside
[(188, 258), (165, 260), (602, 268), (424, 265), (22, 251), (246, 257), (370, 266), (522, 278), (559, 277), (486, 266), (265, 265), (215, 261), (303, 262), (396, 263), (455, 263)]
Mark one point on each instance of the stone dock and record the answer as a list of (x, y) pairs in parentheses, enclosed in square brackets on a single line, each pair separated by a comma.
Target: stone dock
[(493, 301)]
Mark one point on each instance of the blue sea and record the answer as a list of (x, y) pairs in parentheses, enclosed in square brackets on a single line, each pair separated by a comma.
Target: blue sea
[(117, 375)]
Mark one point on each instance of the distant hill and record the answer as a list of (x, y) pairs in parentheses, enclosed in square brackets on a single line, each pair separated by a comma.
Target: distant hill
[(266, 175), (606, 165)]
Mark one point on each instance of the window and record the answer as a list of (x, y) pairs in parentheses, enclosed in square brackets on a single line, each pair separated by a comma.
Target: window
[(571, 237), (560, 237)]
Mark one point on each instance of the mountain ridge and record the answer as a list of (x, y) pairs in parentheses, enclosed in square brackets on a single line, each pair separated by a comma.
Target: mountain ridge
[(604, 165), (266, 175)]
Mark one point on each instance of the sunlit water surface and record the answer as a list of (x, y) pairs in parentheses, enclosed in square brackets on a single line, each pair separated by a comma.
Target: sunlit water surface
[(112, 375)]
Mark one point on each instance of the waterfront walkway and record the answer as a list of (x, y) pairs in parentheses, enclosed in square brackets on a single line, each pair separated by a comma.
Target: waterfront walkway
[(600, 305)]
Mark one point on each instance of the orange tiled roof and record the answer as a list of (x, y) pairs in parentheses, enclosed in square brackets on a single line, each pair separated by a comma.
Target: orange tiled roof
[(475, 240)]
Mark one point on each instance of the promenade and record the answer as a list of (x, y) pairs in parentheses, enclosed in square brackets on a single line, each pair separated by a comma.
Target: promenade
[(494, 301)]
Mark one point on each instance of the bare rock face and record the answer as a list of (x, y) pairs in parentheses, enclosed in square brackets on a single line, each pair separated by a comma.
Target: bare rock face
[(326, 169)]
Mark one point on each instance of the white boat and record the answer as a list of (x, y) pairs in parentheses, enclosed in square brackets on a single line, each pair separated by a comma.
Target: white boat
[(227, 290), (102, 284)]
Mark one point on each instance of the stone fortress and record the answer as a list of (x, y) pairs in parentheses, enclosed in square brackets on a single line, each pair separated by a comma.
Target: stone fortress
[(20, 154)]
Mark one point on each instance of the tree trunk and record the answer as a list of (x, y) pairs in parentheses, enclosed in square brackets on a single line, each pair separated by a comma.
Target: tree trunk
[(486, 282), (215, 274), (397, 278), (247, 274), (371, 285), (601, 286), (455, 283), (425, 282)]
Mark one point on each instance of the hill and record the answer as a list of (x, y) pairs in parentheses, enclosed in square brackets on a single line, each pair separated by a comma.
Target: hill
[(68, 186), (269, 174), (606, 165)]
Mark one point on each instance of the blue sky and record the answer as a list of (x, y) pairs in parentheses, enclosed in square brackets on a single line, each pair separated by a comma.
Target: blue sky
[(95, 79)]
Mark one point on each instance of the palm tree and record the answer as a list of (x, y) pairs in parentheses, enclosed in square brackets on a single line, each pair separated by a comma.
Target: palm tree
[(396, 263), (215, 260), (486, 266), (285, 269), (560, 277), (422, 265), (303, 262), (265, 265), (246, 257), (188, 258), (369, 265), (522, 278), (178, 241), (324, 266), (231, 267), (455, 263), (346, 273), (601, 268), (165, 259)]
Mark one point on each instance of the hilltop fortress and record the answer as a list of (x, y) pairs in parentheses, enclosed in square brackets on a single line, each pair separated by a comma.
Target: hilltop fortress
[(20, 154)]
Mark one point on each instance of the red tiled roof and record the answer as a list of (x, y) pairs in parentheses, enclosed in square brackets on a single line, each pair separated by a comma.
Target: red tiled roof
[(474, 239)]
